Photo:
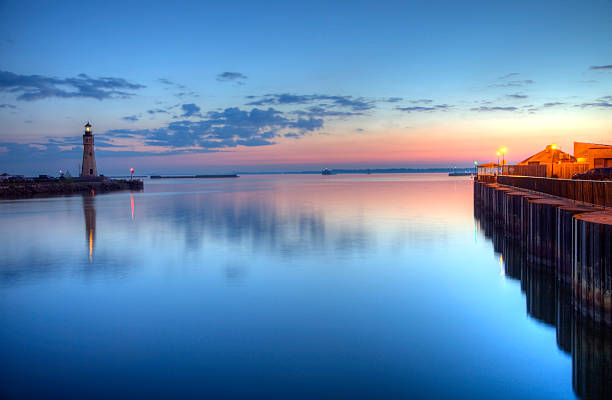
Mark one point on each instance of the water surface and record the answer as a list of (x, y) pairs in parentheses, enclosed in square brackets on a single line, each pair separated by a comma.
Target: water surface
[(342, 286)]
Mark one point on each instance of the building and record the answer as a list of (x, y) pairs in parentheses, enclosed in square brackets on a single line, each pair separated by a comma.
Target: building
[(554, 163), (88, 168), (550, 155), (595, 155)]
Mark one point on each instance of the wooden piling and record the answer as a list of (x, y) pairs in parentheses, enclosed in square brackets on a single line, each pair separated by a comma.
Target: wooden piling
[(592, 265)]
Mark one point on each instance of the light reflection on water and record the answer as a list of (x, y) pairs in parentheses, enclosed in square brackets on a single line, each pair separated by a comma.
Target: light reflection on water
[(283, 286)]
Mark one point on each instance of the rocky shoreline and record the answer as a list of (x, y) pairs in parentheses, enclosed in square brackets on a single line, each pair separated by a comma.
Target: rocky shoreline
[(16, 189)]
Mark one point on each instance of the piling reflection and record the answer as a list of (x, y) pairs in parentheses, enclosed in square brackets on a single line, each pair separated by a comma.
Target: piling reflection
[(89, 211), (549, 300)]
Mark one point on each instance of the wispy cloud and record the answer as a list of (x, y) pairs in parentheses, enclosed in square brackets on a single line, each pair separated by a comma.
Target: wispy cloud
[(420, 101), (168, 82), (553, 104), (517, 96), (237, 77), (517, 83), (600, 104), (350, 102), (131, 118), (510, 75), (601, 67), (8, 106), (437, 107), (154, 111), (604, 102), (36, 87), (497, 108)]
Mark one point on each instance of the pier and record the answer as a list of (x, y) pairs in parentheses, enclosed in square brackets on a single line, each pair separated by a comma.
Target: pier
[(568, 235)]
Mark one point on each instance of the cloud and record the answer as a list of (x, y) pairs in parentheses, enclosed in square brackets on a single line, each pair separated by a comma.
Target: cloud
[(157, 111), (510, 75), (601, 67), (517, 96), (224, 129), (8, 106), (168, 82), (553, 104), (36, 87), (520, 83), (354, 103), (231, 76), (421, 101), (393, 99), (190, 110), (131, 118), (600, 104), (318, 111), (487, 109), (437, 107)]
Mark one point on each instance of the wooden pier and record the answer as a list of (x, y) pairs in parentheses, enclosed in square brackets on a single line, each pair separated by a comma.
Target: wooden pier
[(572, 239)]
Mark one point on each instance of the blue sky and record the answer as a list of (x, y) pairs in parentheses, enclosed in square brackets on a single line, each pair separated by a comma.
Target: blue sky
[(283, 85)]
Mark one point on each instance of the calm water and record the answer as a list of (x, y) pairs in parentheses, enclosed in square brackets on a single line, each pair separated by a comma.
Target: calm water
[(275, 286)]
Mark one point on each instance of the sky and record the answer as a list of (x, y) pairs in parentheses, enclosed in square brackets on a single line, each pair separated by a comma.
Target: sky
[(178, 87)]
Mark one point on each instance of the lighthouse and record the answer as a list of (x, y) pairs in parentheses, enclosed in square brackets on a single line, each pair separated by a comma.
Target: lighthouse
[(88, 168)]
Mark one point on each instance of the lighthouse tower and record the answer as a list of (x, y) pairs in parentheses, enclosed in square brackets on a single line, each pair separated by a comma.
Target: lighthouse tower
[(88, 168)]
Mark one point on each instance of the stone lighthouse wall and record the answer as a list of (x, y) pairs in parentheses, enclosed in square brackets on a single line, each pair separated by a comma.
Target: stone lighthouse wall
[(89, 157)]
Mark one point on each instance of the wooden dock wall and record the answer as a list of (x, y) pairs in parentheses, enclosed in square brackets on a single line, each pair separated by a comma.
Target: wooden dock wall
[(547, 288), (572, 241), (592, 192)]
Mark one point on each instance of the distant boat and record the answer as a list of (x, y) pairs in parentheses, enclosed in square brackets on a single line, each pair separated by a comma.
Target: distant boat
[(326, 172)]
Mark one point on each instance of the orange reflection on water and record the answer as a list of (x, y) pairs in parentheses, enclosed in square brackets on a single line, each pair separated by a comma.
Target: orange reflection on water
[(90, 246), (132, 204)]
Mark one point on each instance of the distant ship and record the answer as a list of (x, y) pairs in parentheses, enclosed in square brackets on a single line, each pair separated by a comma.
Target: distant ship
[(326, 172)]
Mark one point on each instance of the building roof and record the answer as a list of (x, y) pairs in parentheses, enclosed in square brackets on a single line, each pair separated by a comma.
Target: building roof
[(549, 155)]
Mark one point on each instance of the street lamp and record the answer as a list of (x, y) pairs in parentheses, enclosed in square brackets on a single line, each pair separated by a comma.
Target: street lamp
[(498, 154), (503, 151), (131, 173)]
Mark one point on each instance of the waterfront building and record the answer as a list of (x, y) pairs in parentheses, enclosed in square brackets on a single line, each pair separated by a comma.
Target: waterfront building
[(550, 155), (88, 168), (595, 155)]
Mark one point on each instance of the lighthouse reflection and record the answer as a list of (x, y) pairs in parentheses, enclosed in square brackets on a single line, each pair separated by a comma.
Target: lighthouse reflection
[(89, 211)]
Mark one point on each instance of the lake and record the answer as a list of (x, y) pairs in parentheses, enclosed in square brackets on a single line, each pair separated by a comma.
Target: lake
[(282, 286)]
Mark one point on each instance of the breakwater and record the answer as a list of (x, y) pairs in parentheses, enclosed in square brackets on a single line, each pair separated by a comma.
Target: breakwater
[(194, 176), (572, 240), (24, 188)]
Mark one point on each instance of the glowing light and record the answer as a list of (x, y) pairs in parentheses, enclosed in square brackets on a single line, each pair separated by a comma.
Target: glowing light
[(553, 146), (91, 246), (498, 154), (501, 265)]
